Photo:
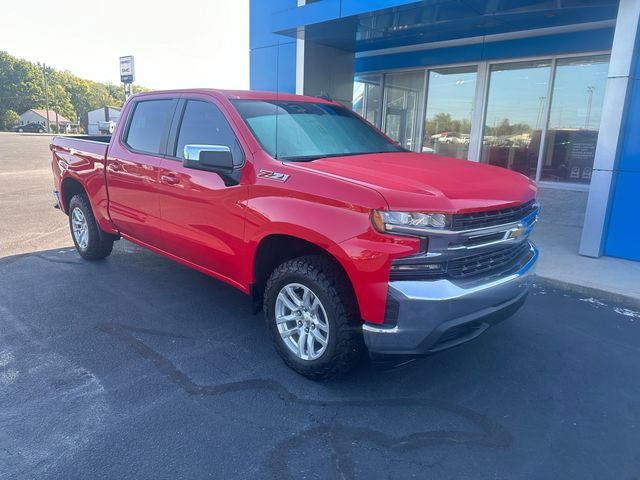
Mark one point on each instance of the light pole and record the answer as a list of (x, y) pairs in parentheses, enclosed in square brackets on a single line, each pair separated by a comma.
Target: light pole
[(587, 121), (540, 112), (46, 93)]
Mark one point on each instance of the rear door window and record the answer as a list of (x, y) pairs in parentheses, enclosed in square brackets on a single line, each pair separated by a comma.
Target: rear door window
[(149, 125)]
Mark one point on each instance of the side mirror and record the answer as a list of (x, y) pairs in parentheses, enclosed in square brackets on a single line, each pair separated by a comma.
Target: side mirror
[(213, 158)]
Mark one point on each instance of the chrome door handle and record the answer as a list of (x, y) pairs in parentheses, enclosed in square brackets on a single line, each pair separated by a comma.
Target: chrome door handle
[(169, 179), (115, 166)]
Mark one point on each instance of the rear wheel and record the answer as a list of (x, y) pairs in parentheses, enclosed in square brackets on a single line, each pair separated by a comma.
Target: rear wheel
[(91, 242), (310, 312), (20, 130)]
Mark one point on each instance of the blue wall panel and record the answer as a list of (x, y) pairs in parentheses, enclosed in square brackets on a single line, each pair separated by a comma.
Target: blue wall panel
[(624, 222), (261, 14), (355, 7), (630, 153), (273, 68), (575, 42), (317, 12), (272, 64)]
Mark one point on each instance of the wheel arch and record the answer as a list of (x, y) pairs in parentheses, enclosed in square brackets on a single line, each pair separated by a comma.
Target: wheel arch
[(68, 189), (276, 248)]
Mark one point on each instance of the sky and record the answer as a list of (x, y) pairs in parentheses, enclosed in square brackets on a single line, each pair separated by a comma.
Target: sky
[(177, 44)]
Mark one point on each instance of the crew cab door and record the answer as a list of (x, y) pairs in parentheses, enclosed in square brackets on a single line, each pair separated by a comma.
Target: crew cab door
[(133, 162), (203, 212)]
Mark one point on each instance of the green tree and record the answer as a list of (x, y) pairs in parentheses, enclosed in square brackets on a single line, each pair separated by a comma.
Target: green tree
[(20, 84), (60, 101), (9, 119)]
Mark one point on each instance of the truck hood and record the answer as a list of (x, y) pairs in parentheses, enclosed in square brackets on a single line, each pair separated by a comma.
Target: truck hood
[(412, 181)]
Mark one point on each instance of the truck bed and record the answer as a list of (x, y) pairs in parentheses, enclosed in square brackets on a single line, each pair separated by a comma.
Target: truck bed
[(95, 146)]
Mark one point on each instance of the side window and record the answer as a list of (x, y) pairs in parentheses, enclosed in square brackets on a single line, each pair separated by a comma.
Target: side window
[(204, 124), (148, 125)]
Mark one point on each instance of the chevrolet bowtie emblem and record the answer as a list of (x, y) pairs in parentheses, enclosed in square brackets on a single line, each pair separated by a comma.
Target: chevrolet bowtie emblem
[(518, 231)]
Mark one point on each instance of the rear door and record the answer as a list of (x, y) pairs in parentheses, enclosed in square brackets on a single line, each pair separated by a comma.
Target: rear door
[(133, 163), (203, 217)]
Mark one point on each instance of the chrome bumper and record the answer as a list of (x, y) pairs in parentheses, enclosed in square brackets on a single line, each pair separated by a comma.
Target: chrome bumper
[(437, 314)]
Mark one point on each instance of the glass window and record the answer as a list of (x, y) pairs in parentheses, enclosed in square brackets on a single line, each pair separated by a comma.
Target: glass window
[(303, 131), (574, 119), (367, 93), (514, 115), (149, 124), (204, 124), (450, 99), (402, 97)]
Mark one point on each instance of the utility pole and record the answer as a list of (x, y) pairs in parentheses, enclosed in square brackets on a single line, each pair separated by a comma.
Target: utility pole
[(46, 93)]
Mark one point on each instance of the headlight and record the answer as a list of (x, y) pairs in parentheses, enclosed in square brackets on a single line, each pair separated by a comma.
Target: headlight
[(413, 223)]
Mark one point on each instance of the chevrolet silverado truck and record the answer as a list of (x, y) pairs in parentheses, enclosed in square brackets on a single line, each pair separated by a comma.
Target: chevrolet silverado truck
[(345, 240)]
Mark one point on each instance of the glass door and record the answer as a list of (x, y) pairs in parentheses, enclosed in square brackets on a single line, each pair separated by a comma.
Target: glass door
[(402, 102), (450, 99), (574, 119), (515, 115)]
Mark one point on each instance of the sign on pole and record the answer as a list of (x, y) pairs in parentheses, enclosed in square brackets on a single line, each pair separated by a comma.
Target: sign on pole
[(127, 71)]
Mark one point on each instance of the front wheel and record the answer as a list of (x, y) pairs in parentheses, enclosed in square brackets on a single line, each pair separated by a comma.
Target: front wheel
[(41, 131), (91, 242), (311, 314), (20, 130)]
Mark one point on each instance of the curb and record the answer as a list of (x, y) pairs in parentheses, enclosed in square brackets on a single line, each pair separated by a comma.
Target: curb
[(591, 291)]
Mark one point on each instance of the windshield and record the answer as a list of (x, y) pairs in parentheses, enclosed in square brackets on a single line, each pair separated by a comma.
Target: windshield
[(305, 131)]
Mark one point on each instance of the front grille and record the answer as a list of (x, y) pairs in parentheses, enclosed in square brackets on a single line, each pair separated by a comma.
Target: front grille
[(491, 218), (496, 261), (486, 264)]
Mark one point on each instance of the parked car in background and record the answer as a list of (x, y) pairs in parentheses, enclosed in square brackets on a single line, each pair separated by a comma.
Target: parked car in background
[(344, 238), (30, 127)]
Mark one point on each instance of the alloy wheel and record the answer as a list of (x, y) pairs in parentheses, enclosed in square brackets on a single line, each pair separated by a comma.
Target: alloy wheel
[(302, 321), (80, 228)]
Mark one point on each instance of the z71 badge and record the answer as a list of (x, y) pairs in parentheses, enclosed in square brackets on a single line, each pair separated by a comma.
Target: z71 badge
[(275, 176)]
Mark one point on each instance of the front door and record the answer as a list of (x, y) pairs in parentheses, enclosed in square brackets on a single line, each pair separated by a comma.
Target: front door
[(203, 218), (133, 169)]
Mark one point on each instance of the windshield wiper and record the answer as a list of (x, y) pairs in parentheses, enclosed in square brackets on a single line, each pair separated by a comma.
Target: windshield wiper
[(303, 158), (310, 158)]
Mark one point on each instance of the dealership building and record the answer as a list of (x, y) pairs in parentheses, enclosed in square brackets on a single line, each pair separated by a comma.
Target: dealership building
[(548, 88)]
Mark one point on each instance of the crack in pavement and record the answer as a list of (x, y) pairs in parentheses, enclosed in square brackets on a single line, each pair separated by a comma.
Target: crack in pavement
[(340, 437)]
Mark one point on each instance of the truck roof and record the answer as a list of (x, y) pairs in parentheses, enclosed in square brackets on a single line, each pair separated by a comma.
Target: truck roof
[(240, 95)]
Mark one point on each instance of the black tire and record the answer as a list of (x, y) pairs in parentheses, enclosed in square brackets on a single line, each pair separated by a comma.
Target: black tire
[(20, 130), (41, 131), (99, 244), (327, 281)]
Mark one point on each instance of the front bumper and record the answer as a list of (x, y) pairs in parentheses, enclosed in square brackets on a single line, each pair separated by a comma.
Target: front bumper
[(437, 314)]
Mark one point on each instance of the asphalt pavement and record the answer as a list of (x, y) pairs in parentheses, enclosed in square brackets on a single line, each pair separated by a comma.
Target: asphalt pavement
[(137, 367), (27, 220)]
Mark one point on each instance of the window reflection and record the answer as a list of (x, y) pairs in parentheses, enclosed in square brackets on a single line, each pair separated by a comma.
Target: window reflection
[(367, 92), (514, 115), (450, 98), (402, 96), (574, 119)]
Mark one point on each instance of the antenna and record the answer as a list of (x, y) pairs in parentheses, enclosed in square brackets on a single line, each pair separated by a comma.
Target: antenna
[(325, 96)]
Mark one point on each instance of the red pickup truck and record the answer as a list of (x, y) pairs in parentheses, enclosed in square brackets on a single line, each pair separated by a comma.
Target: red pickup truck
[(344, 239)]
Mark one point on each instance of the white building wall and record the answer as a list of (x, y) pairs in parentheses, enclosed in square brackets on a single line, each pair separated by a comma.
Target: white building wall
[(31, 117), (100, 115)]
